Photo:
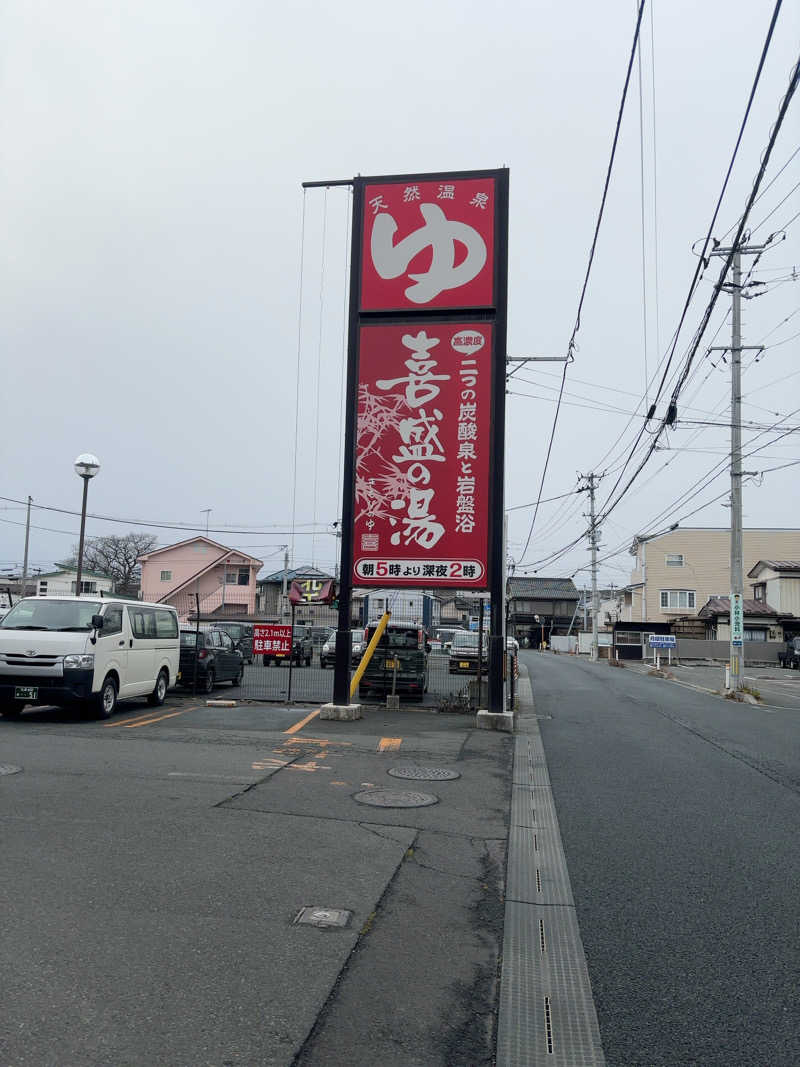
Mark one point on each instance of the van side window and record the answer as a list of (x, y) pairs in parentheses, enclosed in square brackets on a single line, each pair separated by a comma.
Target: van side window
[(166, 623), (112, 621), (143, 622)]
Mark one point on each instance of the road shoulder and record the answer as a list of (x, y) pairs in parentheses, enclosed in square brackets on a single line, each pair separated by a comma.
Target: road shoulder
[(546, 1014)]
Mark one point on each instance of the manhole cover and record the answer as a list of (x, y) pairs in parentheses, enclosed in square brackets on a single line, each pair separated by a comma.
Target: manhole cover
[(9, 768), (425, 774), (323, 918), (395, 798)]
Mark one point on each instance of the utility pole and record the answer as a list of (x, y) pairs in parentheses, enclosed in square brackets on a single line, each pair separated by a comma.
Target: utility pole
[(736, 602), (285, 582), (24, 586), (592, 481)]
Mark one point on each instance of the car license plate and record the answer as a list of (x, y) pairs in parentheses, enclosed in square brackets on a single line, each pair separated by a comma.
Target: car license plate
[(25, 692), (391, 664), (463, 664)]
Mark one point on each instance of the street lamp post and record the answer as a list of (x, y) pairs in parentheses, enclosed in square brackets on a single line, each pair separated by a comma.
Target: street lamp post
[(86, 466)]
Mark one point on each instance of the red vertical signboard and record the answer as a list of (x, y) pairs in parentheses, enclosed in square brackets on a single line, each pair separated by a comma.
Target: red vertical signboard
[(422, 500), (428, 244), (422, 454)]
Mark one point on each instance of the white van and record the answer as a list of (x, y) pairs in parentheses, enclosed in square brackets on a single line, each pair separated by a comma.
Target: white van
[(76, 650)]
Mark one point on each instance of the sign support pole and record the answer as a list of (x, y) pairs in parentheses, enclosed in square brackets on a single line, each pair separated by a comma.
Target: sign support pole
[(291, 661), (497, 563), (341, 672)]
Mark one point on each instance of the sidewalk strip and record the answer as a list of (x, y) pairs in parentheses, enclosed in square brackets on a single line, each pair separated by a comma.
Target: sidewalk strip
[(547, 1014), (299, 725)]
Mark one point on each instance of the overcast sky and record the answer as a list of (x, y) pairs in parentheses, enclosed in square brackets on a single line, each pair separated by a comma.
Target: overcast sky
[(151, 240)]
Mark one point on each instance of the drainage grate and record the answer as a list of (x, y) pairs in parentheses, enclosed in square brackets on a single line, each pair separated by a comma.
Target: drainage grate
[(322, 918), (425, 774), (9, 768), (395, 798)]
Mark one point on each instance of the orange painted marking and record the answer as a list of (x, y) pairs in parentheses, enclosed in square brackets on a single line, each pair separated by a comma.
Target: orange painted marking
[(158, 718), (315, 741), (389, 744), (143, 718), (299, 725)]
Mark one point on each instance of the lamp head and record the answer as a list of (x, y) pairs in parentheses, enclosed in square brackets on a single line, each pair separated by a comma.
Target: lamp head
[(87, 465)]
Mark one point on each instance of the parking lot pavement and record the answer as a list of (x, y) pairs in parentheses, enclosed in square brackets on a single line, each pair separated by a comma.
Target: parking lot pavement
[(155, 863), (778, 689)]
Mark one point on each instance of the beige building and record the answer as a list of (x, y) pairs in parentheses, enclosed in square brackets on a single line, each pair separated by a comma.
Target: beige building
[(777, 582), (676, 572)]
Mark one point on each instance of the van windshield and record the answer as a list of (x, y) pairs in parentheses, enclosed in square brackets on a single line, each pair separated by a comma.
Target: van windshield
[(398, 637), (467, 641), (34, 614)]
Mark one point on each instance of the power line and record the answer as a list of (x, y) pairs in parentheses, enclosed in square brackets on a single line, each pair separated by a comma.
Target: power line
[(584, 287), (702, 261), (669, 417), (766, 189), (227, 531)]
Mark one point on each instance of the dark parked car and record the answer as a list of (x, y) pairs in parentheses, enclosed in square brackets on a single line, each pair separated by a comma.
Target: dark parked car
[(790, 656), (327, 655), (241, 633), (400, 659), (213, 658), (302, 650)]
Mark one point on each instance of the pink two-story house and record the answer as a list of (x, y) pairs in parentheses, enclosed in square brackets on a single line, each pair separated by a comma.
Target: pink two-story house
[(223, 578)]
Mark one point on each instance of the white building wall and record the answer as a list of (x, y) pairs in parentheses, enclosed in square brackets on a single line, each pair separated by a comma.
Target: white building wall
[(61, 584)]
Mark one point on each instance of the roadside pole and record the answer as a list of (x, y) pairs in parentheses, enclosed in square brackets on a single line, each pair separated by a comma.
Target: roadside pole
[(734, 681), (592, 481), (196, 641), (480, 653), (291, 660), (25, 560)]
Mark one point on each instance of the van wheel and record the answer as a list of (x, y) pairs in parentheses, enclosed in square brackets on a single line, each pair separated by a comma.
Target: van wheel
[(209, 681), (159, 694), (106, 699)]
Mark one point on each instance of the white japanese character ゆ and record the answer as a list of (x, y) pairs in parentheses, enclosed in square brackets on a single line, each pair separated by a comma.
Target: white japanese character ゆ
[(440, 234)]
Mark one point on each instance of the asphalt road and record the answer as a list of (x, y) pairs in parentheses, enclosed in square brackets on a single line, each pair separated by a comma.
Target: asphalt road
[(778, 689), (152, 866), (679, 814)]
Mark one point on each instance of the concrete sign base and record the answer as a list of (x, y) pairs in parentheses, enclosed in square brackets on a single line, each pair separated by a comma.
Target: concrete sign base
[(340, 712)]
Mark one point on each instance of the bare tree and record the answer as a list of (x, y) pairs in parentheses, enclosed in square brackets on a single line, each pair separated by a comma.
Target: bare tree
[(115, 557)]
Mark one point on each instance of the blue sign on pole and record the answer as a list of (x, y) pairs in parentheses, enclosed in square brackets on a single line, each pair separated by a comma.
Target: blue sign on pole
[(663, 641)]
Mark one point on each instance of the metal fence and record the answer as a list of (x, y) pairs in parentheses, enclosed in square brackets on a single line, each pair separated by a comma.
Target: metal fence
[(449, 686)]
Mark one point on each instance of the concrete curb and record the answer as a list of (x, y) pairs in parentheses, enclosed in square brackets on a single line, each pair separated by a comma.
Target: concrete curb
[(546, 1012)]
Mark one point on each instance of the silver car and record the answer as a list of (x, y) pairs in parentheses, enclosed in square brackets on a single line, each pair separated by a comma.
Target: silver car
[(327, 654)]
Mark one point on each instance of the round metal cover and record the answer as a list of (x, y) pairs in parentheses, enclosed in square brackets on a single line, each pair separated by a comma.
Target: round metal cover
[(425, 774), (394, 798), (9, 768)]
